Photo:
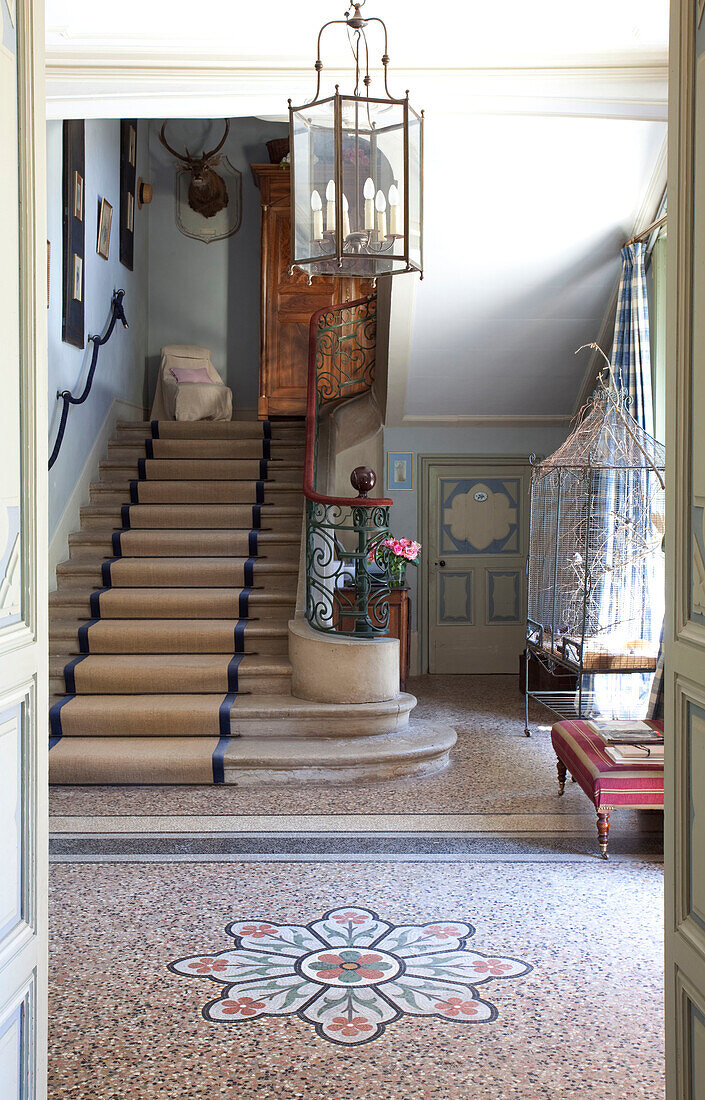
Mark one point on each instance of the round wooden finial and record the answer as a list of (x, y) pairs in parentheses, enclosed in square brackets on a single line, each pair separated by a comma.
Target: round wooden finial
[(363, 478)]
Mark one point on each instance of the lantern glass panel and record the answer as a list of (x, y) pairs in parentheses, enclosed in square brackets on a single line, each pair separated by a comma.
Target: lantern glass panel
[(415, 192), (312, 157)]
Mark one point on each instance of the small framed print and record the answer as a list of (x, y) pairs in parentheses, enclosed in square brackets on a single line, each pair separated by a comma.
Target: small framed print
[(77, 278), (78, 196), (132, 147), (105, 221), (400, 471)]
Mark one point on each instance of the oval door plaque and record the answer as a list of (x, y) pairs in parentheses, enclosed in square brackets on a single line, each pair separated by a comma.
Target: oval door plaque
[(481, 496)]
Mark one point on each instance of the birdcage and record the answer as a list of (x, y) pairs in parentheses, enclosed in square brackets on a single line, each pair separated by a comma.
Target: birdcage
[(595, 569)]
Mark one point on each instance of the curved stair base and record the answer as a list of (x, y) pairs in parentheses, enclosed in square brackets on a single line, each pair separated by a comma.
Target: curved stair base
[(418, 750)]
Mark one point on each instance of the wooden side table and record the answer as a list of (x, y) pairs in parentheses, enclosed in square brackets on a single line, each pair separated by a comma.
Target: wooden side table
[(399, 626)]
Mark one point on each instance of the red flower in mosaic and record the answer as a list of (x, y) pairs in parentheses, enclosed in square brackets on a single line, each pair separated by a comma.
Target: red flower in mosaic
[(244, 1006), (456, 1006), (208, 966), (355, 1026), (442, 931), (351, 966), (349, 918), (257, 930), (491, 966)]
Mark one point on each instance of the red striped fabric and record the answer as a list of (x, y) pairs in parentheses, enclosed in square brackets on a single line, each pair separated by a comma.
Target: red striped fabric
[(606, 783)]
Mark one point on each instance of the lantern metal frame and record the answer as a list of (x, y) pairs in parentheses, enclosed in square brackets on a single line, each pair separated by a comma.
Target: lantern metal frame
[(354, 247)]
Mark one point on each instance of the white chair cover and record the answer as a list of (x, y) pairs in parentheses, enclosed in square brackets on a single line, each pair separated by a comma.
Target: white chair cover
[(190, 400)]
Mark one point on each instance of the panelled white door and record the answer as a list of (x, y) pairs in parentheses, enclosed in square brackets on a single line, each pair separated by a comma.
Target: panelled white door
[(23, 554), (475, 557)]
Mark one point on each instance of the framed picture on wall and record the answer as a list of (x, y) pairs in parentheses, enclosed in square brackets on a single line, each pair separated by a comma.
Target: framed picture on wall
[(128, 177), (74, 231), (105, 220), (78, 196), (400, 471)]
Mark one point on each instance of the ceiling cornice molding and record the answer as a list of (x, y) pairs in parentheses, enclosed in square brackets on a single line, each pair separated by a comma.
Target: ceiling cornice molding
[(81, 74)]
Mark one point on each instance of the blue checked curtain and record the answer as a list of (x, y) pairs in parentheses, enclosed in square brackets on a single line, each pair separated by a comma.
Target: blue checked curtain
[(631, 348), (633, 695)]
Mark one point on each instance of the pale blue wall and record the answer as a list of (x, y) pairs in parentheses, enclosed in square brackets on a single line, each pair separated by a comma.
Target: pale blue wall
[(470, 441), (208, 294), (121, 362)]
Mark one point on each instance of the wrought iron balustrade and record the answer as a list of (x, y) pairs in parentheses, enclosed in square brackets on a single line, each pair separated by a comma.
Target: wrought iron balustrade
[(346, 592)]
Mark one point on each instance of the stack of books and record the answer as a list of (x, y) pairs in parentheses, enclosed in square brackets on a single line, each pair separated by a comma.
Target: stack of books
[(629, 740)]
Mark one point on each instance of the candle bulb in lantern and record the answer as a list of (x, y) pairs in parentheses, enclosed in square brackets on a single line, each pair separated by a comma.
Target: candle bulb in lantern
[(317, 207), (330, 206), (368, 192), (381, 208), (394, 219), (346, 218)]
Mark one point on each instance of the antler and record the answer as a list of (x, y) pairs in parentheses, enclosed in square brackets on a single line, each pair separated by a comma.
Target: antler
[(165, 143), (207, 156)]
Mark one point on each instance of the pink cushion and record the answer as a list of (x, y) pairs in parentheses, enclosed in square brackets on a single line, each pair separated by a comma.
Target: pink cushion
[(186, 374)]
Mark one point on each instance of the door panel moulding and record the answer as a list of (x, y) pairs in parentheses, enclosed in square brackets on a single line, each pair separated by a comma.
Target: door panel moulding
[(425, 462)]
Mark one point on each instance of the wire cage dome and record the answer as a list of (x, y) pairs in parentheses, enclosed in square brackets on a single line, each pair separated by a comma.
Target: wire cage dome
[(595, 571)]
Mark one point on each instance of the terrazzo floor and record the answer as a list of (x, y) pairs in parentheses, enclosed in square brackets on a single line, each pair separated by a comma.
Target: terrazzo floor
[(143, 877)]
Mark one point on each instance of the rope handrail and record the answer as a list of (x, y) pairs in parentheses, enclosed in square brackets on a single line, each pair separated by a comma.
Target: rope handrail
[(68, 399)]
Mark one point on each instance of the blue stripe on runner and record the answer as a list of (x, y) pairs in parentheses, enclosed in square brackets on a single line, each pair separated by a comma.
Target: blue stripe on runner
[(257, 516), (117, 549), (149, 448), (240, 635), (263, 469), (83, 635), (154, 425), (70, 675), (141, 469), (224, 714), (243, 602), (55, 720), (260, 492), (248, 570), (105, 572), (125, 516), (252, 544), (266, 448), (134, 492), (233, 666), (95, 602), (267, 429)]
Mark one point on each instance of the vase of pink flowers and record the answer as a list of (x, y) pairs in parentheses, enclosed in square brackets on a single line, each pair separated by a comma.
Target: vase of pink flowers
[(395, 555)]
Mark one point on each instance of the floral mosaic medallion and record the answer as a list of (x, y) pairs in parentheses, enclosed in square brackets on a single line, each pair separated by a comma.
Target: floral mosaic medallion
[(350, 974)]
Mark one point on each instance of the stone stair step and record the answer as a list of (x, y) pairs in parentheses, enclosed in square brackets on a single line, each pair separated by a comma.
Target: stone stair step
[(172, 542), (171, 673), (272, 517), (177, 603), (200, 469), (195, 492), (250, 716), (178, 573), (128, 636), (212, 429)]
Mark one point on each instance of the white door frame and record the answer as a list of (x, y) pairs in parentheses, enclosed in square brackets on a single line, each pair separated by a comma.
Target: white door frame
[(24, 670), (425, 461)]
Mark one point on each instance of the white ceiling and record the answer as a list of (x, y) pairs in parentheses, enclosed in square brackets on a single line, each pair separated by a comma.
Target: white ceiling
[(544, 148)]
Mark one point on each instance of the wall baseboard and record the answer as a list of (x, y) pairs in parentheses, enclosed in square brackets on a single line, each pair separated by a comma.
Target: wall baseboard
[(71, 519)]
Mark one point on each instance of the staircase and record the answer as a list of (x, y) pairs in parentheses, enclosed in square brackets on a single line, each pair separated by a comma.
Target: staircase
[(169, 628)]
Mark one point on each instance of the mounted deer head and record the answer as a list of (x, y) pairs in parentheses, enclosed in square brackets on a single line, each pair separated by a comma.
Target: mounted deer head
[(207, 193)]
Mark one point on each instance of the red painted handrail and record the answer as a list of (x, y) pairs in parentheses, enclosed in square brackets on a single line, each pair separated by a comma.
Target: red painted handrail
[(312, 426)]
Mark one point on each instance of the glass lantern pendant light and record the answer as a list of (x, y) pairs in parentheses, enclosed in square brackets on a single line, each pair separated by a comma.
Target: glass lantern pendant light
[(356, 173)]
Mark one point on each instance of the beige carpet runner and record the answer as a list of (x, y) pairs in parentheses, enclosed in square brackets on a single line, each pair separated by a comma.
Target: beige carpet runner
[(174, 603)]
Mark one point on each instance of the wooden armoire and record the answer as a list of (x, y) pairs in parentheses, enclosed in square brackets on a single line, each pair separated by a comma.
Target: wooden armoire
[(288, 301)]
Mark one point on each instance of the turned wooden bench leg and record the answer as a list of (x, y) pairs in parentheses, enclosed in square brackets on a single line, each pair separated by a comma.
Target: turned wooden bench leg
[(603, 831), (562, 772)]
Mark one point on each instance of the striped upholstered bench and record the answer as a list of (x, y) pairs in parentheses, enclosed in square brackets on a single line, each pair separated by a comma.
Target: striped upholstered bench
[(607, 784)]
